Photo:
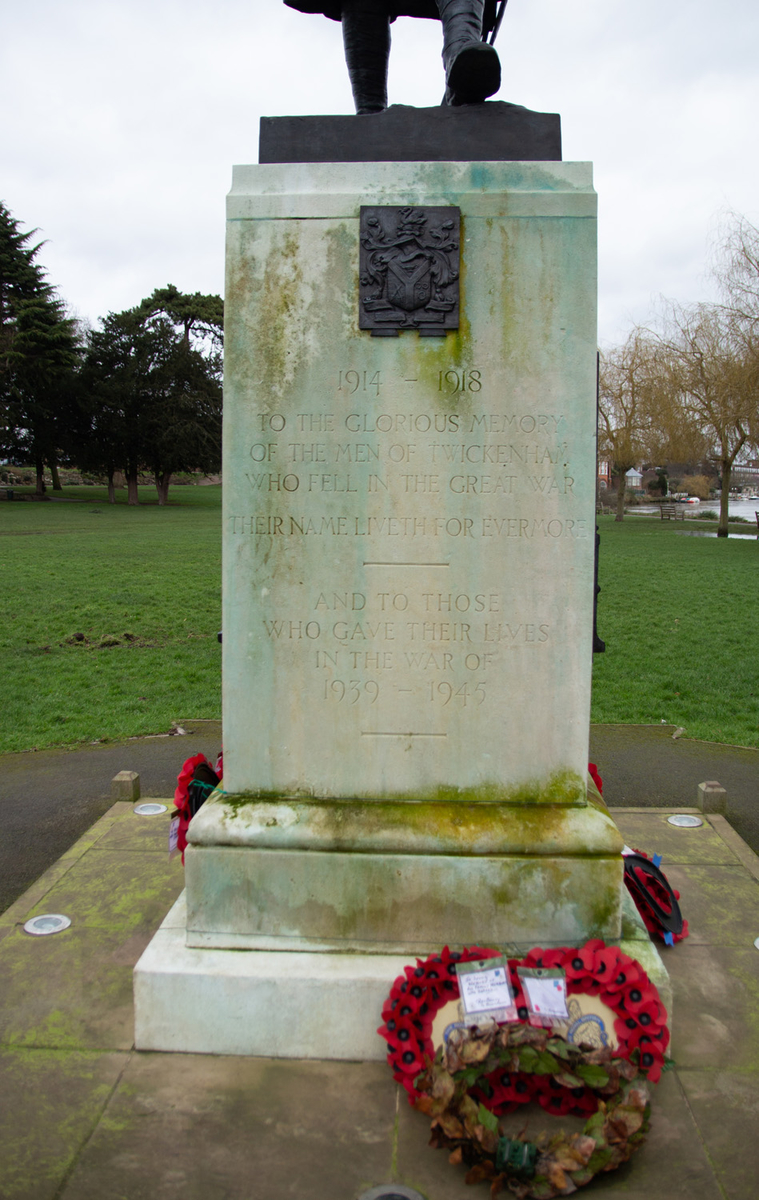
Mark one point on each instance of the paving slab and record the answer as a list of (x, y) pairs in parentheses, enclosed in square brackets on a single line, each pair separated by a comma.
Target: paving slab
[(50, 1102), (181, 1127), (652, 833), (143, 834), (717, 1007), (721, 903), (74, 989), (726, 1106)]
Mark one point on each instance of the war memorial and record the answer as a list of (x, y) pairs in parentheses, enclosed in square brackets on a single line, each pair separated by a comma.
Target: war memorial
[(408, 583)]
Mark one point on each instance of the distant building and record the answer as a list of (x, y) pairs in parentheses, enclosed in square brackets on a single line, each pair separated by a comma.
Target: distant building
[(746, 475), (633, 479)]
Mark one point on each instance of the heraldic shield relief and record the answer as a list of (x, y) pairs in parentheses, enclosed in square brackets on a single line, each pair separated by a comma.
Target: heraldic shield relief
[(409, 270)]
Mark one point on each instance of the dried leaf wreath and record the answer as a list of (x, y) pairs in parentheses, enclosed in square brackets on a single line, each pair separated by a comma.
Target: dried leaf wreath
[(552, 1165)]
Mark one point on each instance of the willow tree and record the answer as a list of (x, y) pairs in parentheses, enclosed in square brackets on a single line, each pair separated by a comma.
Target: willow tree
[(713, 378), (629, 382)]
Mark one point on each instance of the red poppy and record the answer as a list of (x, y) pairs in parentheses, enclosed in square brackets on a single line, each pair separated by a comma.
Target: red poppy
[(629, 975), (555, 957), (606, 965), (583, 961), (644, 1004), (598, 781)]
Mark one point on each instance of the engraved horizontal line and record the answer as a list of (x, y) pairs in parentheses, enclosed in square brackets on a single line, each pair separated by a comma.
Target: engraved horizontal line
[(392, 733), (404, 564)]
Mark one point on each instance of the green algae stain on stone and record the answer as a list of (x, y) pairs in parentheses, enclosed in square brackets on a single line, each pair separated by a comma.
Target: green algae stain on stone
[(53, 1101), (564, 788)]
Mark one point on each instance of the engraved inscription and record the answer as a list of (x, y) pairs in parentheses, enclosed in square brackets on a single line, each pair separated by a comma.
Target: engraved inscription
[(409, 473)]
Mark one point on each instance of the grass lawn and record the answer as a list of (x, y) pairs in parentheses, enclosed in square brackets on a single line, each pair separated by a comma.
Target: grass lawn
[(110, 616), (143, 587), (679, 618)]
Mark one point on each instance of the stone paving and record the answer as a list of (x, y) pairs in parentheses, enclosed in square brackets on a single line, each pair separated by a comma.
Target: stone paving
[(86, 1117)]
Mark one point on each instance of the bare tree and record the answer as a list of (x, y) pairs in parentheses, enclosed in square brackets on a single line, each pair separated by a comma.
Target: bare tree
[(736, 268)]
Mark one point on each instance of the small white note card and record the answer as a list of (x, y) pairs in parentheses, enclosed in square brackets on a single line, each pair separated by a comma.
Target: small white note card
[(545, 990), (485, 989)]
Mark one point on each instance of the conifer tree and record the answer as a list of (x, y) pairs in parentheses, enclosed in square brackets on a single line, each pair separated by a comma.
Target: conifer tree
[(38, 354)]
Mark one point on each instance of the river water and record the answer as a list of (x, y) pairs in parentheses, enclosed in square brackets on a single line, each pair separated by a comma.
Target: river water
[(736, 508)]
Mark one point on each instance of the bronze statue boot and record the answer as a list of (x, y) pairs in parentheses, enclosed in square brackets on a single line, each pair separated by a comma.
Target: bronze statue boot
[(472, 67), (366, 38)]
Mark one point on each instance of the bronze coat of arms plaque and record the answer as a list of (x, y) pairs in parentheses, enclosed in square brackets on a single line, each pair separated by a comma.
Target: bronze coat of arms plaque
[(409, 269)]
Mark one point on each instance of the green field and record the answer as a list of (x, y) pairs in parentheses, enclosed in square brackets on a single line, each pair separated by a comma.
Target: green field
[(111, 615), (679, 618), (145, 578)]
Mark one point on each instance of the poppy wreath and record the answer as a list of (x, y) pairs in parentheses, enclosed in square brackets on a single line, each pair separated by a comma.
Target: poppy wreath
[(655, 899), (594, 969), (553, 1164), (195, 782)]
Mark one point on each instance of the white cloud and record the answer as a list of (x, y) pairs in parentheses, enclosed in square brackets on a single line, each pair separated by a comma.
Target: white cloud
[(123, 121)]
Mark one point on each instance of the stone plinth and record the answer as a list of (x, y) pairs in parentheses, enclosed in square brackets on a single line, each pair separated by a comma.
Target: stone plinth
[(407, 609), (408, 576)]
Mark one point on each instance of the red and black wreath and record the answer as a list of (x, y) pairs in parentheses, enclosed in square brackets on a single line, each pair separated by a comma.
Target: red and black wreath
[(594, 969)]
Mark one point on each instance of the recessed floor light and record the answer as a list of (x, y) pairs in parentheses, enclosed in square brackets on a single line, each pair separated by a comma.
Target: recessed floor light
[(684, 821), (149, 810), (391, 1191), (48, 923)]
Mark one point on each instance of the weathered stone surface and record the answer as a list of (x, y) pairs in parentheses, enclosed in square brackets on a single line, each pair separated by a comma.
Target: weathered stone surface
[(676, 845), (397, 903), (125, 786), (711, 797), (406, 826), (408, 521)]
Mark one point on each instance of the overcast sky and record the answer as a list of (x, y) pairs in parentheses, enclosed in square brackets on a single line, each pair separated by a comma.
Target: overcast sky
[(123, 119)]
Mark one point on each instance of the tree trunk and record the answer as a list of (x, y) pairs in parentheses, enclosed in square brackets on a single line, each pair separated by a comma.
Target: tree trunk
[(40, 489), (724, 497), (131, 478), (57, 485), (621, 489), (162, 482), (111, 488)]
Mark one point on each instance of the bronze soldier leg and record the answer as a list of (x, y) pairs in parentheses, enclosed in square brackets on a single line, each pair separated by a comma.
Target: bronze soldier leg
[(472, 69), (366, 37)]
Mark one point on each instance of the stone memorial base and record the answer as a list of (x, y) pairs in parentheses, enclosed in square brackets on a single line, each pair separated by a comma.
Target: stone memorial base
[(403, 877), (289, 1005), (409, 489)]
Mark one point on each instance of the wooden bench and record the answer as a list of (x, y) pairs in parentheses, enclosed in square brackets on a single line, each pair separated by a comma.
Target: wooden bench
[(674, 512)]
